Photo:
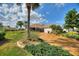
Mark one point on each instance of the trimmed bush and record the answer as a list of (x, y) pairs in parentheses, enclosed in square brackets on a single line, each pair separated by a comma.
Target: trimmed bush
[(45, 49)]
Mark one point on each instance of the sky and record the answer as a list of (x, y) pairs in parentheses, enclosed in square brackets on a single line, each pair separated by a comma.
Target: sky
[(55, 13), (47, 13)]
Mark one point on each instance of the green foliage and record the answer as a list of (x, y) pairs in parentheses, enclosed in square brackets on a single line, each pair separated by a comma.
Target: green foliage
[(57, 29), (71, 19), (20, 23), (2, 34), (45, 49), (74, 35), (9, 48)]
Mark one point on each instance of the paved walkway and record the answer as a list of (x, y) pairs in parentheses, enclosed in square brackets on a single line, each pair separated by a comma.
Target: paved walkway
[(69, 44)]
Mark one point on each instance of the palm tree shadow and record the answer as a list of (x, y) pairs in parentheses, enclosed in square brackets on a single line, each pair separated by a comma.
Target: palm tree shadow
[(4, 41)]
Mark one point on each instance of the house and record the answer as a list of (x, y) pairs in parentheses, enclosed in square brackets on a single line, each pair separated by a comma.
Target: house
[(70, 29), (47, 30), (41, 28), (65, 30), (37, 27)]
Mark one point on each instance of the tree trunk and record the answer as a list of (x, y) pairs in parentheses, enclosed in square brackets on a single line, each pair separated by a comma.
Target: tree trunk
[(28, 24)]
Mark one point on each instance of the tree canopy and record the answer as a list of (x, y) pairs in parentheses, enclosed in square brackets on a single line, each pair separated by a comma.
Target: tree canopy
[(20, 24), (56, 28), (71, 19)]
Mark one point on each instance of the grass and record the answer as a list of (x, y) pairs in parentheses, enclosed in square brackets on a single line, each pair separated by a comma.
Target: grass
[(10, 48), (14, 36)]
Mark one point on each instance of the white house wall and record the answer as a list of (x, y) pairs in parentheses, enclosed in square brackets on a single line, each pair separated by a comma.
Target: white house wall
[(47, 30)]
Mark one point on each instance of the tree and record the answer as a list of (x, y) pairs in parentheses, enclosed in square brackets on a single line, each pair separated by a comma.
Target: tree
[(29, 6), (77, 21), (71, 19), (57, 29), (20, 24)]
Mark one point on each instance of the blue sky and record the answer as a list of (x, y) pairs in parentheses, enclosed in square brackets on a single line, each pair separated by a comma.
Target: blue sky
[(47, 13), (55, 13)]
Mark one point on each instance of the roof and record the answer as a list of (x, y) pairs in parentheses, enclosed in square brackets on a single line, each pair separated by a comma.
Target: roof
[(39, 26)]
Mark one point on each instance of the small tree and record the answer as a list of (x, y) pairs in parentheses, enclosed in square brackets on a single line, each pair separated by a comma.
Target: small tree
[(20, 24)]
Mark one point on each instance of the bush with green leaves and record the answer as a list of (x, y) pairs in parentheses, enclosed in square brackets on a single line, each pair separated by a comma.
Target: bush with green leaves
[(72, 34), (2, 34), (44, 49), (76, 37)]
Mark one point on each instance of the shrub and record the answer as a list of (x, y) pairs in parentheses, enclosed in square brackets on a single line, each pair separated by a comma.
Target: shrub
[(45, 49), (74, 35), (2, 34)]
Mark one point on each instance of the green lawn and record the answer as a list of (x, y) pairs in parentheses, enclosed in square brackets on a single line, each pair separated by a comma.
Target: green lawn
[(10, 48)]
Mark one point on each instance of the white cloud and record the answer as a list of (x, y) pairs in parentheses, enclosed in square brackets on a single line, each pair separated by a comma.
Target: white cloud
[(36, 18), (12, 14)]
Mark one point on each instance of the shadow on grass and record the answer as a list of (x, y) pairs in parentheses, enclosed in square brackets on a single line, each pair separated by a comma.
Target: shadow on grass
[(4, 41)]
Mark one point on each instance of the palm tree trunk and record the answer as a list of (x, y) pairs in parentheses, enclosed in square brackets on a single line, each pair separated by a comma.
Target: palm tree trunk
[(28, 24)]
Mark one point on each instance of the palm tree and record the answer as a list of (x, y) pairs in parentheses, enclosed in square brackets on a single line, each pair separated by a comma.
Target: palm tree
[(30, 6)]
